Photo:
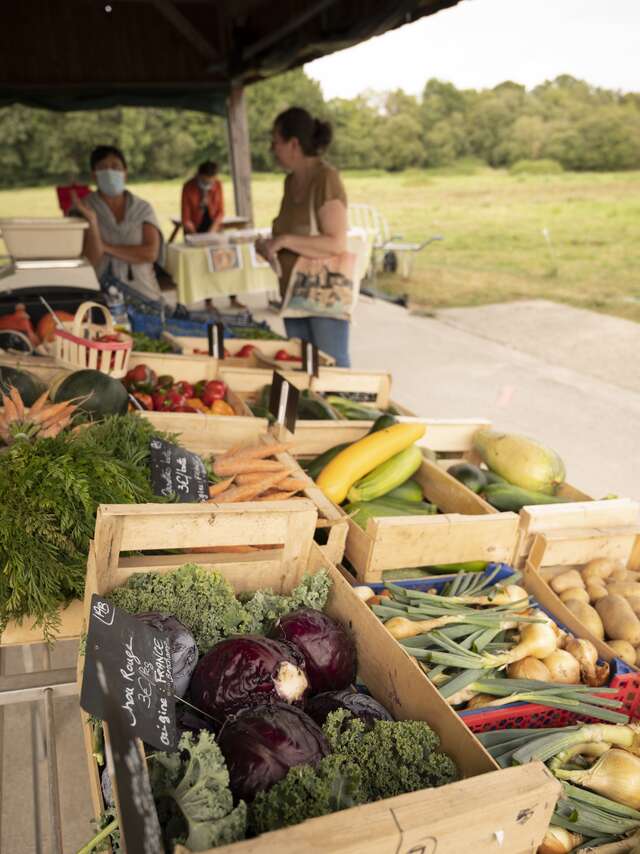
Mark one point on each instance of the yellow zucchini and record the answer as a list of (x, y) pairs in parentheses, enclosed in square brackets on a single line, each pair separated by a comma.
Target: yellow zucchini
[(363, 456)]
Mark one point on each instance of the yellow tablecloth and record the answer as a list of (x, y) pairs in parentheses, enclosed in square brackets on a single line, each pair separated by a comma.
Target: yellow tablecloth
[(190, 267)]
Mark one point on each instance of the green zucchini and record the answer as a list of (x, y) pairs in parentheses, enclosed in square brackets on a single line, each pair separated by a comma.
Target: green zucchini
[(387, 475), (362, 511), (492, 477), (351, 410), (384, 420), (471, 476), (316, 465), (504, 496), (407, 491)]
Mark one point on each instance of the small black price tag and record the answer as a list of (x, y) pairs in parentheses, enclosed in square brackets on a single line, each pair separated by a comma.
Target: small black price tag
[(136, 660), (139, 825), (283, 402), (310, 359), (176, 471), (215, 331)]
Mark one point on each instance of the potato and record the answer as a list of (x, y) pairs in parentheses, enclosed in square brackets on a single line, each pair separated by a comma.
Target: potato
[(618, 619), (588, 616), (624, 650), (575, 593), (620, 575), (596, 591), (623, 588), (562, 582), (634, 601), (599, 568)]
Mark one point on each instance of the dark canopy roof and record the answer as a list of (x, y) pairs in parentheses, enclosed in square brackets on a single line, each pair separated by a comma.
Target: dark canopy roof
[(83, 54)]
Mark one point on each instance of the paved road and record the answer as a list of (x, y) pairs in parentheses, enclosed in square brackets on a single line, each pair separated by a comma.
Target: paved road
[(498, 362)]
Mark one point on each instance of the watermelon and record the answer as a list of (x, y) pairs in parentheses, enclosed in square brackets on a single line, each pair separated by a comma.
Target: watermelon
[(106, 396), (29, 386)]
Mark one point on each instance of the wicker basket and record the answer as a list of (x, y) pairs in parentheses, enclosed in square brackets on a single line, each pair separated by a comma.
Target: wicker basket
[(77, 350)]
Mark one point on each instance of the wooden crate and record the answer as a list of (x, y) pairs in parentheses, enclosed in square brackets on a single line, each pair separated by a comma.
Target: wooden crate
[(44, 367), (552, 552), (211, 435), (263, 355), (71, 619), (516, 820), (583, 513)]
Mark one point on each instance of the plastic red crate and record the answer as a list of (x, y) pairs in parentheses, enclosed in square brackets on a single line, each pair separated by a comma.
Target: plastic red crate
[(534, 716)]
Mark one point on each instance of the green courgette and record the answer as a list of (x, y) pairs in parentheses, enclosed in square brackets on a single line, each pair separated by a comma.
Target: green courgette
[(351, 410), (407, 491), (471, 476), (316, 465), (504, 496), (387, 475), (362, 511), (383, 421)]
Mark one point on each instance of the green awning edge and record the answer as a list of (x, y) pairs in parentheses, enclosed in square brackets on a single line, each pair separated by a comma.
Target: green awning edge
[(203, 100)]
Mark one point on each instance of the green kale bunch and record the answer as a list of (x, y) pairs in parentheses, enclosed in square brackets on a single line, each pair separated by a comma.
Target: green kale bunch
[(204, 601), (192, 795), (395, 756), (307, 792)]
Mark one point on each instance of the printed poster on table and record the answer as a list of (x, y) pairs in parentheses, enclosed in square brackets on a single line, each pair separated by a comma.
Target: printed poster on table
[(223, 259)]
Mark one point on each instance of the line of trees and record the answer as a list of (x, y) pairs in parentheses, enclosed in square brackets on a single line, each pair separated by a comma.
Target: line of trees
[(565, 120)]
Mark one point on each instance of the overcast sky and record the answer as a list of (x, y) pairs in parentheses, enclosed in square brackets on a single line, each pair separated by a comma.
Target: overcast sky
[(480, 43)]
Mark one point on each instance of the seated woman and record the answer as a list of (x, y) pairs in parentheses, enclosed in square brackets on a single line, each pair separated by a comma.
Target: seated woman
[(124, 236)]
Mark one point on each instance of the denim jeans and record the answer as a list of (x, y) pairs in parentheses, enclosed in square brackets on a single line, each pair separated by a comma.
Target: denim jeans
[(327, 333)]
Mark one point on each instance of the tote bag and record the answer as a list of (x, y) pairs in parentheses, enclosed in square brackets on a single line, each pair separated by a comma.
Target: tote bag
[(326, 287)]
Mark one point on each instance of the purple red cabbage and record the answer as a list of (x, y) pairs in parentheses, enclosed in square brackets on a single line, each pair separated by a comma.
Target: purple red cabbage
[(246, 671), (362, 706), (260, 746), (328, 650)]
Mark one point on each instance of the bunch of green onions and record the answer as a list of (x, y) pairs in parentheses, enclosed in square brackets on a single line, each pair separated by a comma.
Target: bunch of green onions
[(461, 637), (599, 765)]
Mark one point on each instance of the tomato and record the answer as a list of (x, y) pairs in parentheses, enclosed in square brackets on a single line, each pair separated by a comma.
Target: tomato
[(140, 378), (184, 388), (283, 356), (213, 390), (245, 351)]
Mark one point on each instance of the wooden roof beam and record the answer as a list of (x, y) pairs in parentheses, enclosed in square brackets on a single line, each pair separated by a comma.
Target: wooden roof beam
[(186, 29)]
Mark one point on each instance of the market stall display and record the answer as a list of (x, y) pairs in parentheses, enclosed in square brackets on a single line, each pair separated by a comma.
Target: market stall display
[(384, 669)]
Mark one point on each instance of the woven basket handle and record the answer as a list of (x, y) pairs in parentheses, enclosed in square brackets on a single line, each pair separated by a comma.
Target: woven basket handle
[(83, 310)]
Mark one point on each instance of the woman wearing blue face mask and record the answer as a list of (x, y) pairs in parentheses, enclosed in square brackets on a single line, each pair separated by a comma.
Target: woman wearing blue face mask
[(124, 237)]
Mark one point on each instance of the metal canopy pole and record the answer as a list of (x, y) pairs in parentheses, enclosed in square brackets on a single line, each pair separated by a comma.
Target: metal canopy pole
[(240, 152)]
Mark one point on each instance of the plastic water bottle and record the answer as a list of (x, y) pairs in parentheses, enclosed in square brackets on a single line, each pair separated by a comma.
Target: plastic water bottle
[(118, 309)]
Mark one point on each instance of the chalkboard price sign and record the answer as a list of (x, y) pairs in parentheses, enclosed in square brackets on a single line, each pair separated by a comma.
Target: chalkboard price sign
[(136, 660), (175, 471), (283, 402), (310, 359)]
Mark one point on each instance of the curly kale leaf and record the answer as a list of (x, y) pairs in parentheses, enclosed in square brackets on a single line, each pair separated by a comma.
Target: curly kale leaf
[(191, 789), (395, 756), (265, 607), (307, 792), (202, 600)]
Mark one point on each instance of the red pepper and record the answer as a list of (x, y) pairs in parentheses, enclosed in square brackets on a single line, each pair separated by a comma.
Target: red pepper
[(170, 401), (213, 390), (141, 378)]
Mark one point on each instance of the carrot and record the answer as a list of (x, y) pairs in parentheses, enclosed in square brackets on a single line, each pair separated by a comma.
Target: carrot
[(294, 483), (50, 411), (39, 404), (275, 496), (9, 408), (255, 452), (250, 477), (55, 417), (251, 490), (52, 430), (217, 488), (226, 469), (15, 397)]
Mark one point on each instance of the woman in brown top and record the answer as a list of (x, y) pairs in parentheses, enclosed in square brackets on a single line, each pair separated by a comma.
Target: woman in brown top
[(298, 140)]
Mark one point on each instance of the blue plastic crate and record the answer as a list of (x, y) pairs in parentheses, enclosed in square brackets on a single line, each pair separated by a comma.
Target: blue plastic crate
[(477, 719)]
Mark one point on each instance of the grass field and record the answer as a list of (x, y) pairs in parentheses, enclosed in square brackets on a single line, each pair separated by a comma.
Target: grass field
[(494, 248)]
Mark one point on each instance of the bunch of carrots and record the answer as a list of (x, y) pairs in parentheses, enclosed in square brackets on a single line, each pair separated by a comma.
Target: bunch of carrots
[(246, 474), (43, 420)]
